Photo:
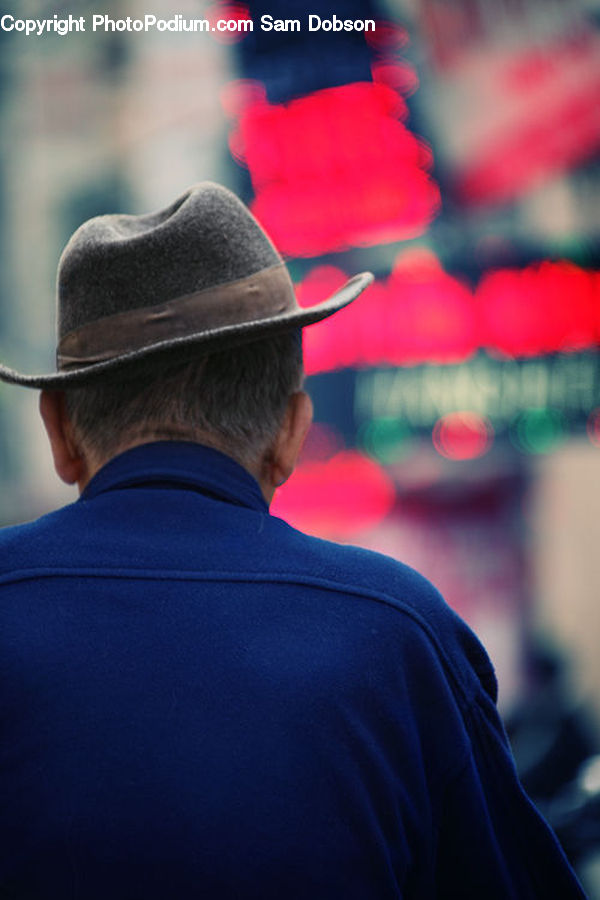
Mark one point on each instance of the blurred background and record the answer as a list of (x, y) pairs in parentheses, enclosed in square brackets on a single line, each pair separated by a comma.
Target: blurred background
[(454, 151)]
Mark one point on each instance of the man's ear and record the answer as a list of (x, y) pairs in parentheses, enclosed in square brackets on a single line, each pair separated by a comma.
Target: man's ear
[(282, 459), (68, 460)]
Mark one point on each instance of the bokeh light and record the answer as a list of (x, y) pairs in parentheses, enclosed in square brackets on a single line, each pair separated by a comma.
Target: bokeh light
[(322, 183), (230, 13), (543, 308), (387, 439), (538, 431), (462, 435), (423, 314), (338, 498)]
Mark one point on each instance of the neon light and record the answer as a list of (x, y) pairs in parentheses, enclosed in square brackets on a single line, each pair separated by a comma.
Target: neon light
[(462, 435), (422, 314), (542, 309), (338, 498), (433, 313), (538, 430), (336, 169), (387, 439), (227, 12), (399, 76)]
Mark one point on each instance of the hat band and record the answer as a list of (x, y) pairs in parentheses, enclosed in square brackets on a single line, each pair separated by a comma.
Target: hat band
[(260, 296)]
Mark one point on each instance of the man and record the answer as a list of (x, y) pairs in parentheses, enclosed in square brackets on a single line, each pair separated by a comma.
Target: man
[(198, 700)]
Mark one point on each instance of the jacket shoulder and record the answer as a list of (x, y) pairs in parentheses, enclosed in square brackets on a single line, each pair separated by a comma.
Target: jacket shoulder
[(404, 591), (34, 544)]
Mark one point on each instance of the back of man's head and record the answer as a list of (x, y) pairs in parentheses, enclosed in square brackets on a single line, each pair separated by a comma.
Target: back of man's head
[(234, 400)]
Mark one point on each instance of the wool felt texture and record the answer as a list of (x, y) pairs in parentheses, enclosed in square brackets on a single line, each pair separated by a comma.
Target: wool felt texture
[(198, 700), (115, 265)]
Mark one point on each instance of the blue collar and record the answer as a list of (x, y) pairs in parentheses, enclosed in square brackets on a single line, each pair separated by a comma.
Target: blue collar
[(179, 464)]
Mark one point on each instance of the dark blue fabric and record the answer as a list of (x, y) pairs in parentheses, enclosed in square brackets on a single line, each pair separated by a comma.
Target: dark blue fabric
[(198, 701)]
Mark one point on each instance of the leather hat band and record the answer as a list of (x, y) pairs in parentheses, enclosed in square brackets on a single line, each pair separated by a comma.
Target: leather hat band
[(267, 293)]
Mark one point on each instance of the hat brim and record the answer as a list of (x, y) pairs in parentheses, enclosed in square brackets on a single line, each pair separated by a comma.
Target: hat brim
[(209, 341)]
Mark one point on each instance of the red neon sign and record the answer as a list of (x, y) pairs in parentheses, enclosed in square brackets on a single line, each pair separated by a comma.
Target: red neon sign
[(432, 315), (422, 314), (541, 309), (335, 169)]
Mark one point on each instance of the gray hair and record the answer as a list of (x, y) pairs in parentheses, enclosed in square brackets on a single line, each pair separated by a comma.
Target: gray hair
[(233, 400)]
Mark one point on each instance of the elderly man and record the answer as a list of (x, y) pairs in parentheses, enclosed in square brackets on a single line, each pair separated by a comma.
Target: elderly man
[(198, 701)]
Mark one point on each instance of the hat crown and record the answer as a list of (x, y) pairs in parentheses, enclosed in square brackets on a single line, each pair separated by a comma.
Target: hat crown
[(116, 263)]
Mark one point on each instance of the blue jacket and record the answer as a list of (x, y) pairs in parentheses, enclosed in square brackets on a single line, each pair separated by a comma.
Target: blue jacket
[(198, 701)]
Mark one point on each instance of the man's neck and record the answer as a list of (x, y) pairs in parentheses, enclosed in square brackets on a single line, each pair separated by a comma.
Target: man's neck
[(93, 462)]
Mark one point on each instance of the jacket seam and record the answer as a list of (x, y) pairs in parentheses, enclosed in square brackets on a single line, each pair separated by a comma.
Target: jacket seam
[(270, 577)]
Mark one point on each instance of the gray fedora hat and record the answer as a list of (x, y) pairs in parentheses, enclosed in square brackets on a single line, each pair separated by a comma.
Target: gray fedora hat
[(196, 277)]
